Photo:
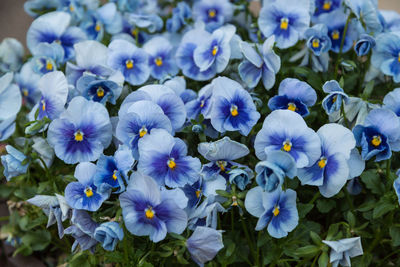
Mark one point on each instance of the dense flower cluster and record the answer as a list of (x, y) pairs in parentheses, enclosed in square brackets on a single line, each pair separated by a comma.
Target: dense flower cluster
[(101, 117)]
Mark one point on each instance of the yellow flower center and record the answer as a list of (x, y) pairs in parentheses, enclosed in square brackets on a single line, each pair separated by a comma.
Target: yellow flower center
[(143, 131), (327, 5), (71, 8), (88, 191), (149, 213), (215, 50), (398, 58), (100, 92), (292, 107), (115, 175), (234, 110), (171, 164), (335, 35), (276, 211), (134, 32), (158, 61), (129, 64), (202, 103), (198, 192), (322, 163), (43, 105), (334, 98), (315, 43), (221, 164), (284, 23), (49, 65), (376, 140), (212, 13), (97, 28), (78, 136), (25, 92), (287, 146)]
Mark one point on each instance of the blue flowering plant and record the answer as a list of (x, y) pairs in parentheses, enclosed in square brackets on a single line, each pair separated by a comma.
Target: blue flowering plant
[(202, 133)]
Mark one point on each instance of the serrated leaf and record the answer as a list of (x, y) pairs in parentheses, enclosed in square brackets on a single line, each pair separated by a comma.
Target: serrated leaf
[(373, 182), (382, 209)]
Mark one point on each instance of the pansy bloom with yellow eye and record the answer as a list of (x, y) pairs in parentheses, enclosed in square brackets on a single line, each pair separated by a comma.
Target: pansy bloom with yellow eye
[(333, 101), (81, 133), (326, 6), (379, 135), (98, 90), (83, 195), (148, 212), (130, 60), (232, 107), (213, 13), (287, 131), (277, 210), (286, 19), (161, 59), (318, 40), (331, 171), (164, 158), (294, 95)]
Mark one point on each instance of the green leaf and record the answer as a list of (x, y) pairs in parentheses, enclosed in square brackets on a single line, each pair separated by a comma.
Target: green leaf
[(315, 238), (230, 249), (325, 205), (304, 209), (323, 259), (37, 240), (307, 251), (341, 82), (176, 236), (395, 234), (368, 89), (373, 182), (351, 219), (382, 208)]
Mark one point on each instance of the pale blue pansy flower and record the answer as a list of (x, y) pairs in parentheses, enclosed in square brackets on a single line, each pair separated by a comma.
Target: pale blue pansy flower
[(213, 13), (344, 249), (10, 97), (12, 163), (335, 98), (108, 234)]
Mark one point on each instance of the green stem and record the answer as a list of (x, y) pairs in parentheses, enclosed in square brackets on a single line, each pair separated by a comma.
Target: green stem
[(232, 219), (376, 241), (246, 233), (341, 46), (388, 163), (316, 196), (348, 199), (346, 122)]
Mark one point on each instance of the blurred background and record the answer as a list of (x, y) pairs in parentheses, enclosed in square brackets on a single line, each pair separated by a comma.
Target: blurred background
[(14, 22)]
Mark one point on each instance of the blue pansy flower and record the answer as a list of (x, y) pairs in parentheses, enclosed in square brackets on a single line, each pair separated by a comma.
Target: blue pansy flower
[(364, 44), (392, 101), (204, 244), (386, 55), (150, 22), (287, 131), (139, 120), (147, 213), (130, 60), (240, 177), (54, 89), (171, 104), (286, 19), (111, 171), (10, 97), (232, 107), (215, 51), (99, 90), (11, 54), (185, 55), (221, 153), (7, 128), (82, 131), (164, 158), (271, 172), (83, 195), (108, 234), (356, 168), (331, 171), (54, 27), (200, 105), (367, 13), (379, 135), (46, 58), (318, 40), (277, 210), (334, 100), (294, 95), (213, 13), (336, 21), (396, 185), (161, 60), (180, 14), (33, 7), (344, 249), (203, 187), (259, 63), (55, 207), (91, 58), (390, 20), (178, 85), (82, 230), (12, 163), (326, 6), (206, 214)]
